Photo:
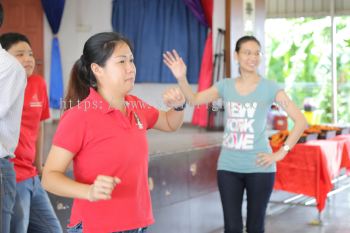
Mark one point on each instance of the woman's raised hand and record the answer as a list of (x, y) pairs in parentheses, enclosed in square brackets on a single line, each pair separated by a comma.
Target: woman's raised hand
[(175, 64)]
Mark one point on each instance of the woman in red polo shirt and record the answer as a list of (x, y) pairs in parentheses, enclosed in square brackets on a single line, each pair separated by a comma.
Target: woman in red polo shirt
[(103, 131)]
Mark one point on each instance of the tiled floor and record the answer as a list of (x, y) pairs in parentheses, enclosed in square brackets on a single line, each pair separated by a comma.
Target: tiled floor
[(299, 219), (303, 219)]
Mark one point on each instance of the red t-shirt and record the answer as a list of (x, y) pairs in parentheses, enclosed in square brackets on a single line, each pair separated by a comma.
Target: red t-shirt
[(107, 142), (35, 110)]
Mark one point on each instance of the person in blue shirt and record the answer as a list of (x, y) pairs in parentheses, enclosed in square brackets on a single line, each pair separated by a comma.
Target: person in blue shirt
[(246, 161)]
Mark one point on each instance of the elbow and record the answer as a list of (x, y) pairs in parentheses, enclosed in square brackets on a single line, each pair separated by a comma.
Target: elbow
[(177, 127), (173, 128), (303, 123), (3, 113), (45, 179)]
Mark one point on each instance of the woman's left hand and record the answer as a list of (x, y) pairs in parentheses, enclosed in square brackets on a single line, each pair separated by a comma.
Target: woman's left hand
[(266, 159), (173, 97)]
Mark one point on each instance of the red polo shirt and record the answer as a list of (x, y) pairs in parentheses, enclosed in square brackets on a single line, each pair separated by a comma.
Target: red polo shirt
[(107, 142), (35, 110)]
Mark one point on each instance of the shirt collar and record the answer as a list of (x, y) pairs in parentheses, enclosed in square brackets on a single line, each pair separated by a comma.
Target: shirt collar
[(103, 105)]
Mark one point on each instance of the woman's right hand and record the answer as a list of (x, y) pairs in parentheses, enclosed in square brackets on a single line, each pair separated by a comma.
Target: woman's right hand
[(102, 188), (175, 64)]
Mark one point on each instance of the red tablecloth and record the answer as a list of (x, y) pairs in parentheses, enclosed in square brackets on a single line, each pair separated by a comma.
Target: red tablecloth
[(309, 168), (345, 141)]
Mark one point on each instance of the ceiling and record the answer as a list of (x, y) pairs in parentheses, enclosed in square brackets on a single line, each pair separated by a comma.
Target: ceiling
[(305, 8)]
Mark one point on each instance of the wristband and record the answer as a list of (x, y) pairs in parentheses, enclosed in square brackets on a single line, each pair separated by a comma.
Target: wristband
[(286, 147), (180, 108)]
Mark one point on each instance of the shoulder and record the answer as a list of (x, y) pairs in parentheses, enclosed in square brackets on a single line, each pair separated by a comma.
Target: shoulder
[(223, 83), (37, 80), (75, 113), (225, 80), (267, 81), (270, 83), (132, 97), (135, 102)]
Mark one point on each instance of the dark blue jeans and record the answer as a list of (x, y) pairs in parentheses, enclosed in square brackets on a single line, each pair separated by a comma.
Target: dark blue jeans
[(258, 187), (7, 194), (79, 229)]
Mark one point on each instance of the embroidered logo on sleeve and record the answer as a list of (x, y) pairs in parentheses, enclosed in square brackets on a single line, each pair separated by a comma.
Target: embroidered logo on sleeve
[(35, 103)]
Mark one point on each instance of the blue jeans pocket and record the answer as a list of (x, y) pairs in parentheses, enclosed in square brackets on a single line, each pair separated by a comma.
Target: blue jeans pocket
[(78, 228)]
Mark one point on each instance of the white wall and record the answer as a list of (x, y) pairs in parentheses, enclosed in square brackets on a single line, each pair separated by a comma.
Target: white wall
[(79, 22), (218, 19), (83, 18), (237, 30)]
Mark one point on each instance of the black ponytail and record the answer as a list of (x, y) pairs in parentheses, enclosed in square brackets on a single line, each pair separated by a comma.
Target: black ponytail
[(78, 86)]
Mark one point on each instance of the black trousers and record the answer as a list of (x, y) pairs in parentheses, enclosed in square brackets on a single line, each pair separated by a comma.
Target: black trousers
[(258, 187)]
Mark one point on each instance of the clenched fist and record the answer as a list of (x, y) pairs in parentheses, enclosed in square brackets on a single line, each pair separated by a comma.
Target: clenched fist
[(102, 188), (173, 97)]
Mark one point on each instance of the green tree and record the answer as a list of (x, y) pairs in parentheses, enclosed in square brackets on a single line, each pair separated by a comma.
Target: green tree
[(298, 55)]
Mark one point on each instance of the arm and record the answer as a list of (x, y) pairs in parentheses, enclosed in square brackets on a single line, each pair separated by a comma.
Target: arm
[(178, 68), (39, 150), (297, 116), (54, 179), (169, 121), (300, 125)]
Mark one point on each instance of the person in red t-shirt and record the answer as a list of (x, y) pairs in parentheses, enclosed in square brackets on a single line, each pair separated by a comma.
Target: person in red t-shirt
[(32, 206), (103, 131)]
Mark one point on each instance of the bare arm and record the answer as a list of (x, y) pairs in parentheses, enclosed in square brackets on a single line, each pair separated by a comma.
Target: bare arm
[(39, 149), (171, 120), (179, 69), (300, 124), (297, 116), (202, 97), (55, 181)]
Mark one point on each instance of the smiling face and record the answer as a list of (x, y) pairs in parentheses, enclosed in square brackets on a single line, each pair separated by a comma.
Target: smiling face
[(119, 71), (249, 56), (24, 54)]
